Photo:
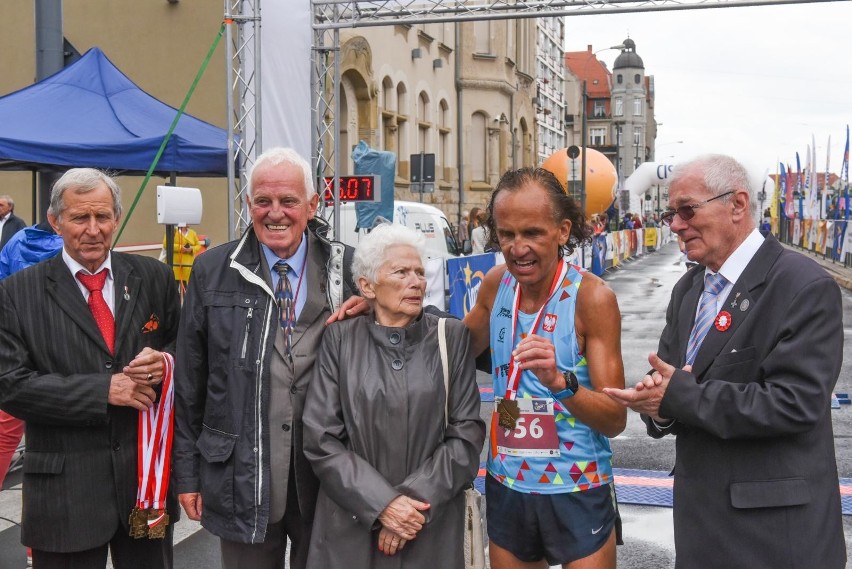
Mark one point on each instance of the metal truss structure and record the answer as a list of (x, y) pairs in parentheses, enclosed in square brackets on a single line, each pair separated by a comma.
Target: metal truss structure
[(242, 50), (329, 16), (332, 14)]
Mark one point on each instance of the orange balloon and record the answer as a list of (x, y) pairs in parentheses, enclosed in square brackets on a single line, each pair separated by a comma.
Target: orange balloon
[(601, 178)]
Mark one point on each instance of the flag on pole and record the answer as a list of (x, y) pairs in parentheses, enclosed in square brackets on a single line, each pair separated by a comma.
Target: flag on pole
[(844, 174), (824, 208), (789, 206), (773, 205), (799, 188)]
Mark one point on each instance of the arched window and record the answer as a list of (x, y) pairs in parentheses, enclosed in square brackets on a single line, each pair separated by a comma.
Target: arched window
[(402, 123), (387, 117)]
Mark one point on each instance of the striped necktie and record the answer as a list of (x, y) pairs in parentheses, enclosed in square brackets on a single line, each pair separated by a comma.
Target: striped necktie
[(286, 304), (713, 285)]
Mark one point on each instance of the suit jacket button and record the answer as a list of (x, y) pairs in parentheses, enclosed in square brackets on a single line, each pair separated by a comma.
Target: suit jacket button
[(293, 389), (108, 364), (394, 338), (116, 447), (397, 364), (285, 427)]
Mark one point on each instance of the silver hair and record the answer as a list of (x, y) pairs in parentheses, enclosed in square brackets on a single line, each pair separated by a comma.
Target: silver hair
[(10, 200), (371, 252), (82, 181), (721, 174), (279, 155)]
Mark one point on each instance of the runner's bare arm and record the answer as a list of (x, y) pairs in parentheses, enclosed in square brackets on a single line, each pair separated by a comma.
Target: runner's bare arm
[(598, 326), (478, 320)]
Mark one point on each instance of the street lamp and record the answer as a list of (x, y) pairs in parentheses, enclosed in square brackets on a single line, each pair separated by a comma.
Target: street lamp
[(585, 134), (656, 146)]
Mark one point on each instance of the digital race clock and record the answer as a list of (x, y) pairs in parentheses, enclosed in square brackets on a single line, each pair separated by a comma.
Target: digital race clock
[(353, 189)]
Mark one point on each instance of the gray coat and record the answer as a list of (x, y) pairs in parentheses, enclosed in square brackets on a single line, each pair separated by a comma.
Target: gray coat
[(374, 429)]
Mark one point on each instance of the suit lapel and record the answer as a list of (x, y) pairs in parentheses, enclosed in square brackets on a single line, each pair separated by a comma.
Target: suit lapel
[(63, 290), (127, 288), (739, 304)]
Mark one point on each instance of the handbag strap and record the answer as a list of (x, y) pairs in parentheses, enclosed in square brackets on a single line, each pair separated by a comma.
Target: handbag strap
[(442, 344)]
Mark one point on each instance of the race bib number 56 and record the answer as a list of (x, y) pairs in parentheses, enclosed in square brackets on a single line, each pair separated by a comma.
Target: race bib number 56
[(534, 433)]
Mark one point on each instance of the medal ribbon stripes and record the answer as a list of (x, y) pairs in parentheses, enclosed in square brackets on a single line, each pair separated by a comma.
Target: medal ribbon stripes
[(514, 372), (156, 429), (508, 411)]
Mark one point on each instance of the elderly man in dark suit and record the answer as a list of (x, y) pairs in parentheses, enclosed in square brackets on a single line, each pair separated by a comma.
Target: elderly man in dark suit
[(78, 362), (9, 222), (254, 315), (743, 376)]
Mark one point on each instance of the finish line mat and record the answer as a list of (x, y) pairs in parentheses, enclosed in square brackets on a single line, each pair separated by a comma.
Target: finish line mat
[(654, 487)]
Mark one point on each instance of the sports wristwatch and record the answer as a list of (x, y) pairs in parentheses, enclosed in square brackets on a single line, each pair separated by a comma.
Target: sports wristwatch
[(571, 386)]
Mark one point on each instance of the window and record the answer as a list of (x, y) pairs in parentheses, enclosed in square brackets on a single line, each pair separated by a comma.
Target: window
[(638, 139), (637, 78), (478, 136), (619, 107), (482, 37), (637, 107), (597, 136), (401, 121), (600, 110), (443, 157), (423, 122), (619, 78)]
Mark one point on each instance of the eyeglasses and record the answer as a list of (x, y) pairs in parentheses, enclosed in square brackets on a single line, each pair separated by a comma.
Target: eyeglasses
[(687, 212)]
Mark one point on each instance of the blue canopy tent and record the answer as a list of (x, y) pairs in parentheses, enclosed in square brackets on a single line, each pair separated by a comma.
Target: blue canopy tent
[(91, 115)]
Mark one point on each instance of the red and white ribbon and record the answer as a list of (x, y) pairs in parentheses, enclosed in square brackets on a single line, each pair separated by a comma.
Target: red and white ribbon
[(156, 429), (514, 370)]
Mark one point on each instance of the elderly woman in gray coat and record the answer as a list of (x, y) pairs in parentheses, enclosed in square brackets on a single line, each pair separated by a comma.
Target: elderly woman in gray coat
[(392, 467)]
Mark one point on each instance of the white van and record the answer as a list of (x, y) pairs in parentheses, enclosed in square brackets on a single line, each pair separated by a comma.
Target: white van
[(425, 218)]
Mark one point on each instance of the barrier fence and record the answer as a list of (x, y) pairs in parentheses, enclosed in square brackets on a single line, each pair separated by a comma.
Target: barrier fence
[(606, 251), (826, 237)]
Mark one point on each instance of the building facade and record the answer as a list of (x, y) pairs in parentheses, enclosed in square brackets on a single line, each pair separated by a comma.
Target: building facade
[(550, 86), (461, 91), (619, 110)]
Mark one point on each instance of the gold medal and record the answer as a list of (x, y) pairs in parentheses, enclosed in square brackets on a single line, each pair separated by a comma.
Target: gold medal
[(159, 520), (138, 523), (508, 413)]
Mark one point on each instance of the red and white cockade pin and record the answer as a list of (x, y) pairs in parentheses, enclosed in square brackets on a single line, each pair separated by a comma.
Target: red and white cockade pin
[(723, 321)]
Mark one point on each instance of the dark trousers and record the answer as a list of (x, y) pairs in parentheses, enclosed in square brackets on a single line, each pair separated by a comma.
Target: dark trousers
[(127, 553), (270, 554)]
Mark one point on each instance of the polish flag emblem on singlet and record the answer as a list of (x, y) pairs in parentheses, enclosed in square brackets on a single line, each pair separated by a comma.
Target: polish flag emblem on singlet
[(549, 324)]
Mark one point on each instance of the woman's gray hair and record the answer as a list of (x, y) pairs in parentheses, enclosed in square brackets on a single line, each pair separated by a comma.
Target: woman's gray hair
[(82, 181), (371, 252), (279, 155), (721, 174)]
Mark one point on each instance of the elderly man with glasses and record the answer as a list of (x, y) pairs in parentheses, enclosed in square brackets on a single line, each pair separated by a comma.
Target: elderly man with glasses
[(743, 375)]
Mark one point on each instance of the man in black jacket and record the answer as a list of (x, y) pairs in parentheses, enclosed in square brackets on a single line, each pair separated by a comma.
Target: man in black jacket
[(255, 311), (9, 222), (743, 375)]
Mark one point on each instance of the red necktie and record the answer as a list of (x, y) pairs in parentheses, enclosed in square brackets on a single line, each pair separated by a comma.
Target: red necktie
[(98, 306)]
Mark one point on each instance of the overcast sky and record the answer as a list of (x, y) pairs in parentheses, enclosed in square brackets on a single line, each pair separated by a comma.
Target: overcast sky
[(755, 83)]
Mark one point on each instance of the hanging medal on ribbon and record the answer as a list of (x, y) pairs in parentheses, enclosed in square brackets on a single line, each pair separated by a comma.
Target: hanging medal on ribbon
[(156, 429), (508, 410)]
